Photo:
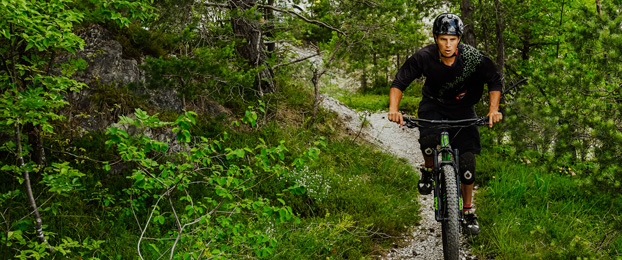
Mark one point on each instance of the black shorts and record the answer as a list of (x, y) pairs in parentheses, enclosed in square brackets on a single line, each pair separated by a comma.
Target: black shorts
[(465, 139)]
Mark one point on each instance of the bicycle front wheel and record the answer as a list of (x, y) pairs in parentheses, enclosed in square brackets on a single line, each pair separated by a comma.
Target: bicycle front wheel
[(450, 224)]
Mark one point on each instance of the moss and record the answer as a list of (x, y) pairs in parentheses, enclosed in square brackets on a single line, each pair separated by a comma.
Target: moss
[(117, 100), (138, 42)]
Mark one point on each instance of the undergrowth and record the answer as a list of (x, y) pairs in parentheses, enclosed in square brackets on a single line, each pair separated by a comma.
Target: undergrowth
[(357, 200), (529, 212)]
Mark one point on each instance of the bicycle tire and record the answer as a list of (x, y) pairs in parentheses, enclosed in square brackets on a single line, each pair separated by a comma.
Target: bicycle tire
[(450, 224)]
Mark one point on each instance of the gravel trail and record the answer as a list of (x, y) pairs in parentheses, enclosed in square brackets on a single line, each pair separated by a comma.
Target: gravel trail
[(424, 242)]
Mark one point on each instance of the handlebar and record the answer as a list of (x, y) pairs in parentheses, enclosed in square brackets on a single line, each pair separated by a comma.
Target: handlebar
[(412, 122)]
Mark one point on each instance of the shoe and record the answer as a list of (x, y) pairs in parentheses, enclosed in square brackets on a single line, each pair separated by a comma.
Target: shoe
[(469, 224), (425, 183)]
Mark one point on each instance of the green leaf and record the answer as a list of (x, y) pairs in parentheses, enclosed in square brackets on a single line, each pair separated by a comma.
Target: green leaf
[(140, 181), (6, 34), (155, 248), (29, 46)]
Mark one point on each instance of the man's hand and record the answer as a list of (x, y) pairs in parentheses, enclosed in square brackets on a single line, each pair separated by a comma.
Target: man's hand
[(493, 113), (396, 117), (395, 96), (494, 117)]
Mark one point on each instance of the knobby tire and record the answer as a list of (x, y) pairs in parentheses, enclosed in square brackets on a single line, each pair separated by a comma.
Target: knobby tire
[(451, 225)]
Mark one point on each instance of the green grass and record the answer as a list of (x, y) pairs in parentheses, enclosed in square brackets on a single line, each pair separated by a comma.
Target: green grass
[(529, 213), (370, 197), (377, 98), (409, 104), (358, 197)]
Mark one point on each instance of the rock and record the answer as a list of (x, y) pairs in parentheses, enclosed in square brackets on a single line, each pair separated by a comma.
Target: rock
[(108, 69), (104, 57)]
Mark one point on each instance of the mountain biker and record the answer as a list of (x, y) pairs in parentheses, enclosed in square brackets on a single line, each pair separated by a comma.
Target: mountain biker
[(455, 75)]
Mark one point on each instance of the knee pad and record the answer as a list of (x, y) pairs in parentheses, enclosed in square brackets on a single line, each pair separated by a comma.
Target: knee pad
[(428, 144), (467, 168)]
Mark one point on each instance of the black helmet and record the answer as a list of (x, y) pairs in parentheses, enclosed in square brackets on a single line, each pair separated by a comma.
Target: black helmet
[(447, 23)]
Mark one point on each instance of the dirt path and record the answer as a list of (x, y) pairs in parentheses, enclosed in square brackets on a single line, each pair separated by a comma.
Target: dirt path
[(424, 242)]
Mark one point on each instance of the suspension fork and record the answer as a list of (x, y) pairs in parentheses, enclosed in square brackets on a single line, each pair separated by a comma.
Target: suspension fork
[(457, 171), (446, 158)]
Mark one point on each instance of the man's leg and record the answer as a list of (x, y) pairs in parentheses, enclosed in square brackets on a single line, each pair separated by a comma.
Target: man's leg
[(427, 144), (467, 178), (467, 195)]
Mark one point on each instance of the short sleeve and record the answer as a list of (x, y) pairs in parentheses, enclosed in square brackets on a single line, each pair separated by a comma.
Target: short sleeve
[(491, 75), (410, 70)]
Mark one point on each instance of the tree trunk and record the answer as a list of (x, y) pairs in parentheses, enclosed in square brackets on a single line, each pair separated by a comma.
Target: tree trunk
[(375, 61), (500, 43), (316, 101), (500, 46), (270, 27), (35, 141), (31, 197), (387, 69), (253, 49), (561, 20), (317, 74), (598, 7), (526, 47), (467, 9), (364, 75)]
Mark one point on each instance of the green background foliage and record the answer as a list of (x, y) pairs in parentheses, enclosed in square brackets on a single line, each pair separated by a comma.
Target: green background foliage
[(255, 179)]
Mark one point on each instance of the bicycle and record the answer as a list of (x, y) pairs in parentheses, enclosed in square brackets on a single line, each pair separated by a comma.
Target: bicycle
[(446, 181)]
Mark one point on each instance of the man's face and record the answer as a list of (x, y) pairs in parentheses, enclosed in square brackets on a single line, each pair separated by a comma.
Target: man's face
[(447, 44)]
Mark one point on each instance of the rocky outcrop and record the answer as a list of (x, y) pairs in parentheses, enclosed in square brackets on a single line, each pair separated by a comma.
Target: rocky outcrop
[(105, 63), (107, 69), (117, 85)]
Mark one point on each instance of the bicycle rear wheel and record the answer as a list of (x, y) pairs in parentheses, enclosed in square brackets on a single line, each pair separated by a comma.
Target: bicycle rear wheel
[(450, 224)]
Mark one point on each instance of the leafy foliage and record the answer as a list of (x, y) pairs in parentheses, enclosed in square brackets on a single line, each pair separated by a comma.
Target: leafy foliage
[(205, 193), (213, 184), (32, 33), (569, 112)]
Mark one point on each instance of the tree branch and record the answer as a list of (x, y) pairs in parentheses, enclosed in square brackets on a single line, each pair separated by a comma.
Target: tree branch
[(316, 22), (216, 5), (302, 17), (295, 61), (142, 235), (189, 224)]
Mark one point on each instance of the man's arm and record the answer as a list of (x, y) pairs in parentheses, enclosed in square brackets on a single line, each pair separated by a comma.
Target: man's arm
[(493, 113), (395, 96)]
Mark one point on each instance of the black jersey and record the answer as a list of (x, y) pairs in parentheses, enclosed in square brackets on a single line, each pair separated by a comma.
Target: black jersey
[(458, 85)]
